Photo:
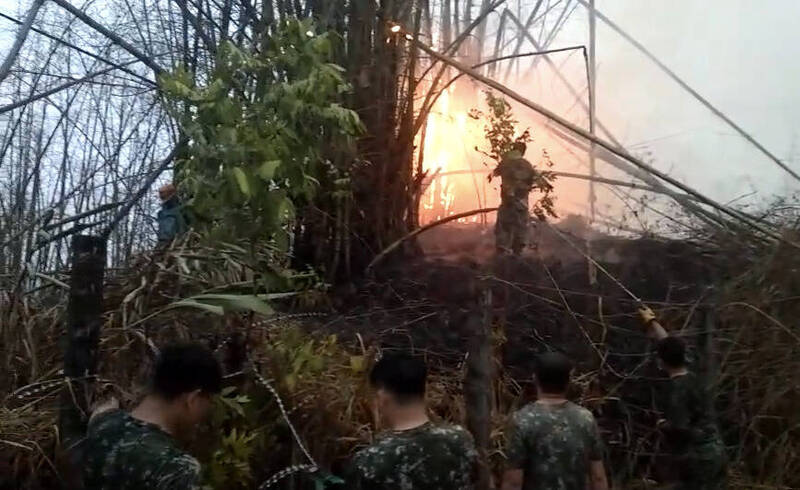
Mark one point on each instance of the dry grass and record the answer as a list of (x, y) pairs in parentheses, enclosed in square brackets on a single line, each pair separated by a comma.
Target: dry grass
[(322, 382)]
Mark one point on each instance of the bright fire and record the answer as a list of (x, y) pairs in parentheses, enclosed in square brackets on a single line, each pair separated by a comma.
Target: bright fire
[(456, 179)]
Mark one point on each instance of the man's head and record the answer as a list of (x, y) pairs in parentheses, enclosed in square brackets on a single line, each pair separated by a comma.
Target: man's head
[(399, 381), (553, 371), (519, 146), (672, 353), (185, 378), (166, 192)]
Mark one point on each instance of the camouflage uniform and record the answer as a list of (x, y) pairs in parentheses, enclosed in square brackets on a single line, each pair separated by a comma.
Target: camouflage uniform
[(511, 229), (430, 457), (124, 453), (693, 436), (553, 445)]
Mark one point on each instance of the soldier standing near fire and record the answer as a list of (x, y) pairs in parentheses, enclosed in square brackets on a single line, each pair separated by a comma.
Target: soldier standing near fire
[(689, 425), (517, 177)]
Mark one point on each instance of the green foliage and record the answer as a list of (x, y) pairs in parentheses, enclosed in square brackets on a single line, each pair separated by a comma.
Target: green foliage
[(501, 128), (259, 129), (309, 373), (501, 133), (230, 464), (302, 357)]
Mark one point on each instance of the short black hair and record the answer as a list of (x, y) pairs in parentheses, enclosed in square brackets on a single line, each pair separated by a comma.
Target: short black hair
[(402, 375), (672, 352), (183, 368), (553, 370), (519, 146)]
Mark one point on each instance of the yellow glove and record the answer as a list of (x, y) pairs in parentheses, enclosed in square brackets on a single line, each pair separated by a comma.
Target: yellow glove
[(646, 314)]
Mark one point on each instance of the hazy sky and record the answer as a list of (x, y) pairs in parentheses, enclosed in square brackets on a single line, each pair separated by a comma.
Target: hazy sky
[(739, 54)]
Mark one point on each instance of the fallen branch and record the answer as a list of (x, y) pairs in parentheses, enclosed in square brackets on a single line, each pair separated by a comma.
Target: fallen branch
[(425, 228)]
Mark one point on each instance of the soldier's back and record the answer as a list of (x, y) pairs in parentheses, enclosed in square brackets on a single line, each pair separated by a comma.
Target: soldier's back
[(429, 457), (553, 445), (123, 453)]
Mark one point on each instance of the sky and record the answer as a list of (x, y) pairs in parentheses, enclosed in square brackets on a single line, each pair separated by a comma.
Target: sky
[(740, 55)]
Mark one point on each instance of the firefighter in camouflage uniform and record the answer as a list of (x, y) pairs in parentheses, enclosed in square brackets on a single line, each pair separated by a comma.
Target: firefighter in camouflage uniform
[(553, 444), (139, 450), (415, 453), (689, 425), (517, 177)]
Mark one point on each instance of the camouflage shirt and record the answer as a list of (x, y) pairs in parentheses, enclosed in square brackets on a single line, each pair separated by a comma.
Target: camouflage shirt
[(689, 414), (125, 453), (553, 445), (429, 457), (517, 175)]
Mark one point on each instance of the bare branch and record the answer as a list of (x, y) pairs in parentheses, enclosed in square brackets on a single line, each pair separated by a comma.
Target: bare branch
[(47, 93), (20, 40), (110, 35), (122, 213)]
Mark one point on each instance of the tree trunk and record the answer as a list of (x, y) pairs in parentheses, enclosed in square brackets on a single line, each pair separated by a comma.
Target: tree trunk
[(478, 386), (84, 319)]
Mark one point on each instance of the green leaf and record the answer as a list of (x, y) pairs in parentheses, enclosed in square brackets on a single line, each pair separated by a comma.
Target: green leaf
[(191, 303), (219, 304), (241, 179), (357, 364), (267, 169), (235, 302)]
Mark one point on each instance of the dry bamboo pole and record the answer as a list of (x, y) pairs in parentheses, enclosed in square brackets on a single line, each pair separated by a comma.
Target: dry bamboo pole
[(592, 69), (47, 93), (24, 29), (589, 178), (689, 89), (80, 50), (602, 143), (83, 17), (386, 251)]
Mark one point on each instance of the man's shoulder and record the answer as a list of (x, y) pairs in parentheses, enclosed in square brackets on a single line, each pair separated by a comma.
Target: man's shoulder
[(532, 413), (388, 443), (133, 448), (581, 412), (452, 432)]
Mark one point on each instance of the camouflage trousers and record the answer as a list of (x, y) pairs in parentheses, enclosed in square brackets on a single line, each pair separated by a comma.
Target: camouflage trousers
[(511, 228), (704, 468)]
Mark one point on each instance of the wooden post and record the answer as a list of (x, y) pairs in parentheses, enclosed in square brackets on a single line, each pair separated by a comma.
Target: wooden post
[(84, 318), (478, 386)]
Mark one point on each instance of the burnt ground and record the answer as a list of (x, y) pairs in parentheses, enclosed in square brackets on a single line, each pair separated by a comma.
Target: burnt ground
[(541, 301)]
